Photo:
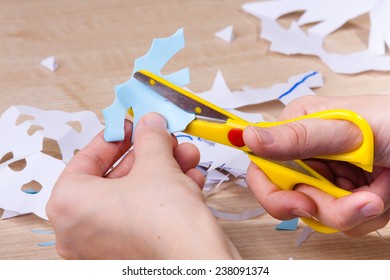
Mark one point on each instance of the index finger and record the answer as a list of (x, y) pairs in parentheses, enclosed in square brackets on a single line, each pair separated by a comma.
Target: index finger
[(281, 204)]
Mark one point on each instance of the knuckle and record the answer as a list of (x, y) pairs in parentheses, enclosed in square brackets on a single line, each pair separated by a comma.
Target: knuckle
[(298, 137), (58, 205), (298, 106), (342, 224)]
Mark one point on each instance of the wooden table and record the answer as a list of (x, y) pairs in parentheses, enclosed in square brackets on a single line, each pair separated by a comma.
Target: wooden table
[(96, 43)]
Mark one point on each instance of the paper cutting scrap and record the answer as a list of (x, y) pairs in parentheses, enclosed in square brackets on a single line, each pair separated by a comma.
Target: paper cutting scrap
[(379, 32), (297, 86), (327, 15), (304, 235), (50, 63), (238, 216), (26, 129), (47, 243), (142, 100), (330, 15), (226, 34), (290, 225), (44, 232)]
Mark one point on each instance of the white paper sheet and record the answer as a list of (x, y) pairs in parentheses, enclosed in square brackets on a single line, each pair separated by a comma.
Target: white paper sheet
[(50, 63), (296, 86), (40, 167), (330, 15), (380, 31), (226, 34)]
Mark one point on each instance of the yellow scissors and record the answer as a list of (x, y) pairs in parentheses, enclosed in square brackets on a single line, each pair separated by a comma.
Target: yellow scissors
[(215, 124)]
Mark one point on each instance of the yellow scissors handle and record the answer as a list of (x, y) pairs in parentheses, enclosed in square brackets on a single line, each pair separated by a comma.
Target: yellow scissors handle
[(229, 131), (362, 156), (286, 175), (230, 134)]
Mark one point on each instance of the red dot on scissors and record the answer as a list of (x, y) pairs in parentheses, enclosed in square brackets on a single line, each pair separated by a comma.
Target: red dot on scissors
[(235, 137)]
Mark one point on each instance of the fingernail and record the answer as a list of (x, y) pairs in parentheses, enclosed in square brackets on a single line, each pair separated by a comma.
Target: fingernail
[(263, 135), (300, 213), (155, 120), (370, 210)]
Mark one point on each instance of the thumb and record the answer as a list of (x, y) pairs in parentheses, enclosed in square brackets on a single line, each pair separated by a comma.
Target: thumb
[(152, 141), (303, 139)]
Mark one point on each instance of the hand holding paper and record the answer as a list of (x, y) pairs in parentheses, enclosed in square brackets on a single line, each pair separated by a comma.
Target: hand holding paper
[(149, 206)]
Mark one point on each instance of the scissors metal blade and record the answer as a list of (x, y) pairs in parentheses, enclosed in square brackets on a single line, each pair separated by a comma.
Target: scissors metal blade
[(181, 100)]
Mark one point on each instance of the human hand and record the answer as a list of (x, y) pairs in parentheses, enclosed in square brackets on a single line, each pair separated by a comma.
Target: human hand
[(367, 208), (149, 206)]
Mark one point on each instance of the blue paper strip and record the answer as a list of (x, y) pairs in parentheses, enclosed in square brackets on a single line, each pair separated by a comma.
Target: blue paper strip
[(39, 231), (48, 243)]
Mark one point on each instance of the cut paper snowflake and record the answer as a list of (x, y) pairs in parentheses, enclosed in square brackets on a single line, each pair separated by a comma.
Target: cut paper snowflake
[(24, 161), (226, 34), (297, 86), (329, 16), (50, 63), (141, 99)]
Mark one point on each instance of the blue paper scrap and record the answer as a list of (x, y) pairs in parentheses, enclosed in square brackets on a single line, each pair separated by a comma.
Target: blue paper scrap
[(288, 225), (133, 94), (48, 243), (40, 231)]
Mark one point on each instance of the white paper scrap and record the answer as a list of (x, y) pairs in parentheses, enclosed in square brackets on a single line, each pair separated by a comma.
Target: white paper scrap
[(304, 235), (212, 155), (296, 86), (226, 34), (330, 15), (71, 131), (41, 168), (50, 63), (238, 216), (8, 214), (379, 32)]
